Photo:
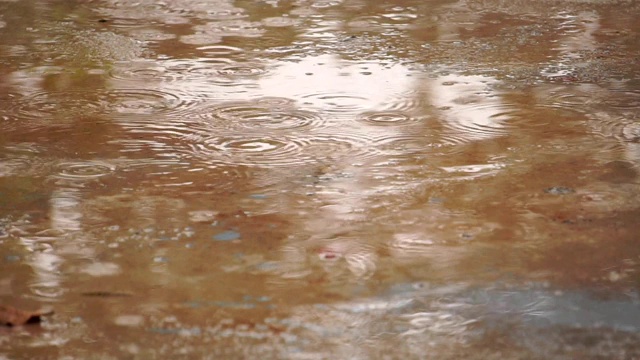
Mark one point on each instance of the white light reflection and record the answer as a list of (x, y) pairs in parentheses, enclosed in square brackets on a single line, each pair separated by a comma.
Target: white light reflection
[(577, 36), (331, 84), (467, 107), (48, 245)]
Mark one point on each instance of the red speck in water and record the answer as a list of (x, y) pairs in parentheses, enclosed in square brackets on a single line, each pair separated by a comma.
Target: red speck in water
[(327, 254)]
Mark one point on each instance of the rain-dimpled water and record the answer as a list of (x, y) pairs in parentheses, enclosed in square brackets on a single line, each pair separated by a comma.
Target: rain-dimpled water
[(320, 179)]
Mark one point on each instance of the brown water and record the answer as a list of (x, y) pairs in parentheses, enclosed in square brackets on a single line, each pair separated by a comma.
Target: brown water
[(319, 179)]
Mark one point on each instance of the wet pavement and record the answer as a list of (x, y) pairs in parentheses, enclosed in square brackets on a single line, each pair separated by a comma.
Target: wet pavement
[(321, 179)]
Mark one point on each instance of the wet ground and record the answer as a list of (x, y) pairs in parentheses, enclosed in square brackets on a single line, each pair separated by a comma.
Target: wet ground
[(321, 179)]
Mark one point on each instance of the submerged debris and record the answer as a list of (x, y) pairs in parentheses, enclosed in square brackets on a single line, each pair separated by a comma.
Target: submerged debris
[(10, 316)]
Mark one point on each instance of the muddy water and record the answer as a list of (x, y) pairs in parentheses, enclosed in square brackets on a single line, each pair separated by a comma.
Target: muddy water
[(321, 179)]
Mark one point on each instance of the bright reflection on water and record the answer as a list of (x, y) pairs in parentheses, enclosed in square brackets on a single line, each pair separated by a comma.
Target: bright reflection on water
[(320, 179)]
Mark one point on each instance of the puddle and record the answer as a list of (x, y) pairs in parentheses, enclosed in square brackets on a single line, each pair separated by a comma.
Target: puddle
[(320, 179)]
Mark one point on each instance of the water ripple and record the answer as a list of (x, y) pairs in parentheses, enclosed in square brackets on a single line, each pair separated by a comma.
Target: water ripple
[(279, 21), (24, 159), (242, 69), (623, 100), (624, 127), (406, 102), (139, 70), (408, 145), (141, 101), (170, 13), (470, 107), (84, 170), (386, 118), (44, 105), (217, 70), (272, 151), (574, 100), (478, 122), (213, 32), (261, 114), (337, 102), (214, 51)]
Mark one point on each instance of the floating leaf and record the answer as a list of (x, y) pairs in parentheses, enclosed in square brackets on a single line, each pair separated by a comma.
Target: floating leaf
[(10, 316)]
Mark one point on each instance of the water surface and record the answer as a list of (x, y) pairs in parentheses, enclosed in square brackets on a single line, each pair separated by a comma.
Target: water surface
[(321, 179)]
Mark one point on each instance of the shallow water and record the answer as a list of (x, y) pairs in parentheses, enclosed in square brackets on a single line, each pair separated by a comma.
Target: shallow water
[(321, 179)]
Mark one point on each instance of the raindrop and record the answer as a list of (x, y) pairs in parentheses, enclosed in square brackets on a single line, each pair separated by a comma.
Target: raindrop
[(469, 108), (623, 100), (89, 169), (282, 151), (68, 104), (263, 114), (337, 102), (243, 69), (385, 118)]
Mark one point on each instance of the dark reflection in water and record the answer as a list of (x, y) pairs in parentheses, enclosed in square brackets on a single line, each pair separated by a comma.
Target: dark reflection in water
[(321, 179)]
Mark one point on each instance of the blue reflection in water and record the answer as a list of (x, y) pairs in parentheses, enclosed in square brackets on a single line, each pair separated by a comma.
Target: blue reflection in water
[(529, 306), (227, 236)]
